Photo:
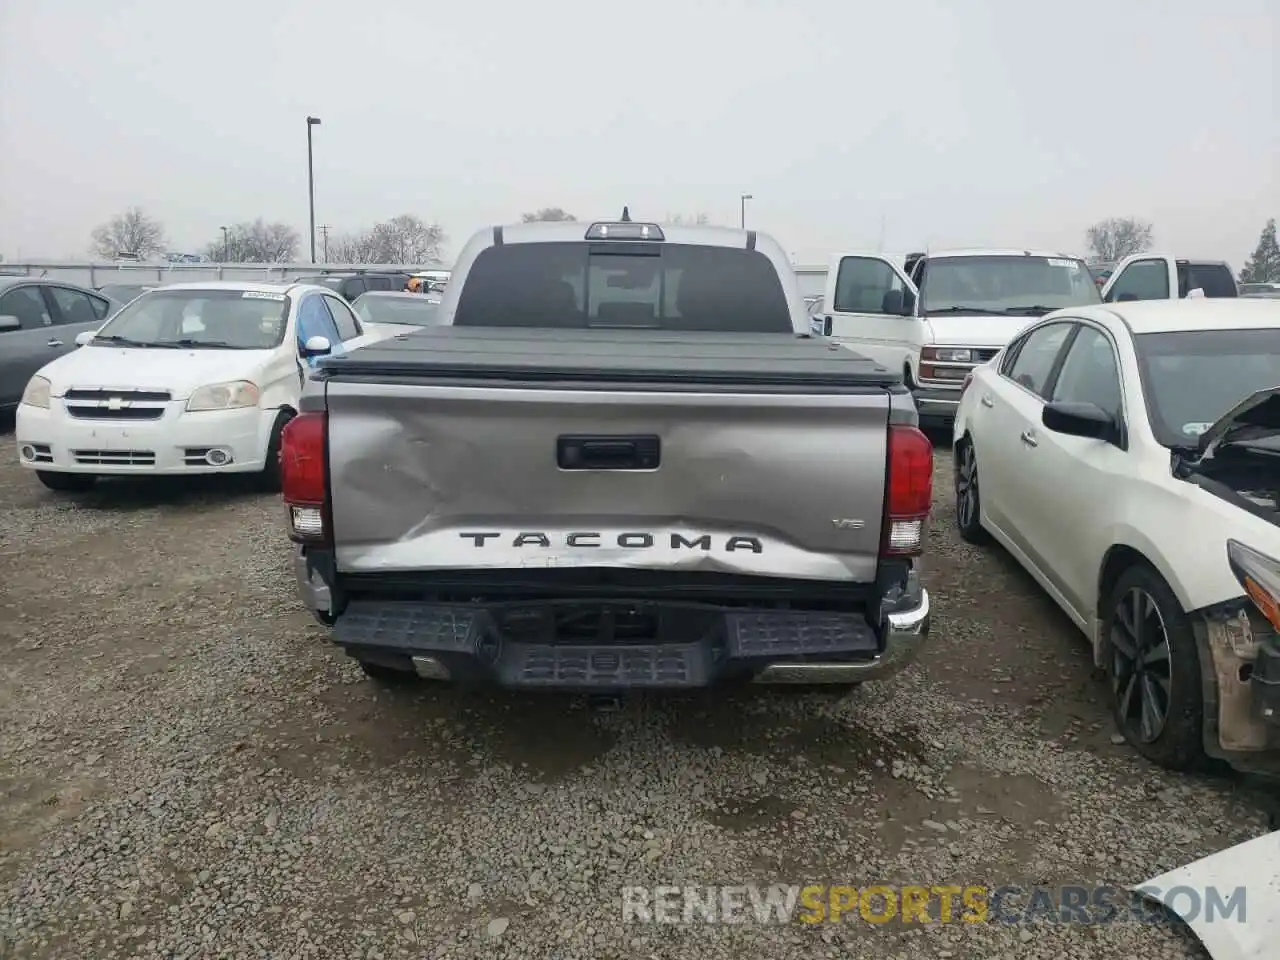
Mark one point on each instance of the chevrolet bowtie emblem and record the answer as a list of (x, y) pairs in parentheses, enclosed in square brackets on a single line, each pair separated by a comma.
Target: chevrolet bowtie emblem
[(115, 403)]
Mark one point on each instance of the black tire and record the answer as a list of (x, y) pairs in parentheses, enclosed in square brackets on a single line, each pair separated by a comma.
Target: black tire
[(1141, 605), (968, 495), (268, 480), (387, 676), (66, 482)]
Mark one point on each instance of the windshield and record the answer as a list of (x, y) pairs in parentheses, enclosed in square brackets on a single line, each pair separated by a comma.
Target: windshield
[(416, 310), (228, 319), (1006, 284), (624, 284), (1191, 378)]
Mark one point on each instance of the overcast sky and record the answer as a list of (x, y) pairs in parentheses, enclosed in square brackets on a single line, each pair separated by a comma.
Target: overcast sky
[(963, 122)]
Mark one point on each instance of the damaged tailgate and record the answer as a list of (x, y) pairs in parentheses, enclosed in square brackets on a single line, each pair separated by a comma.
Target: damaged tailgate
[(472, 449)]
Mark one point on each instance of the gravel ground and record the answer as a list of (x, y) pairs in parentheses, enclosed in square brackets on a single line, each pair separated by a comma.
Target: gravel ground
[(188, 769)]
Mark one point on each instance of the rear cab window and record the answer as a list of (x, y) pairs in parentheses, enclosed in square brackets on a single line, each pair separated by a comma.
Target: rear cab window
[(624, 284), (1214, 279)]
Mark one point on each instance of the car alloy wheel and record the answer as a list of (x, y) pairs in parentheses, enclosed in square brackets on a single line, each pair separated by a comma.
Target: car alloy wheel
[(967, 486), (1142, 665)]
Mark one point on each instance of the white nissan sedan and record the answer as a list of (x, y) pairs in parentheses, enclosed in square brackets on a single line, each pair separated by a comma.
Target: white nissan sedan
[(1128, 456), (186, 379)]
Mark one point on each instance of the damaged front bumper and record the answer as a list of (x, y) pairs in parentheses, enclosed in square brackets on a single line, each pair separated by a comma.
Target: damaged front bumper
[(606, 645), (1240, 667)]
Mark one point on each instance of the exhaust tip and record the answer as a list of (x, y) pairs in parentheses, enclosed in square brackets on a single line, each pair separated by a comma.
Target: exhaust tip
[(429, 668)]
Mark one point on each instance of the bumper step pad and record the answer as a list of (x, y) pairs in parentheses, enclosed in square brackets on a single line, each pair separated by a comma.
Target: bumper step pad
[(465, 636)]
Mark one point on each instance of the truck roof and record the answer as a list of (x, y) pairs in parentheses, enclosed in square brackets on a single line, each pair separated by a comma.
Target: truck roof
[(997, 252), (574, 230)]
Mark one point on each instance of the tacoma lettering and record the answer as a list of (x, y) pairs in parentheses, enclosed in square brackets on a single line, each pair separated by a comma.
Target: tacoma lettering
[(630, 540)]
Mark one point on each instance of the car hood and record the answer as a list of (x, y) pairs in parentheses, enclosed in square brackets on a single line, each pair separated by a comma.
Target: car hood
[(178, 371), (974, 330), (1260, 411), (1252, 932)]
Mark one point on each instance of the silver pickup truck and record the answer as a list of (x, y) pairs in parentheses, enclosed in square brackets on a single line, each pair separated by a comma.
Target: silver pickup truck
[(622, 462)]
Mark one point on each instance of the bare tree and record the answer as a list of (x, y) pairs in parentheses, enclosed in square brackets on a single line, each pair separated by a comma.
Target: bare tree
[(696, 220), (255, 242), (130, 232), (1118, 237), (405, 239), (548, 214)]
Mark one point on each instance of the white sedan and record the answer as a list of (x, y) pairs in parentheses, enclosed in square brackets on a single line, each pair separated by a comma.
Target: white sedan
[(1128, 456), (186, 379)]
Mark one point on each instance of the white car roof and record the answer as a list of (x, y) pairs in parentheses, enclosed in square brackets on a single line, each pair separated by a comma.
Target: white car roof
[(1170, 316), (246, 286)]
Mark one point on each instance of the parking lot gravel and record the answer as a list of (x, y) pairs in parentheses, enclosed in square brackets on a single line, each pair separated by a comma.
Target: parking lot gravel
[(188, 769)]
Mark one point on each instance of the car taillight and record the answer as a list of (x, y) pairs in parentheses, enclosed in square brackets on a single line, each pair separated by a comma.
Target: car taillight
[(304, 477), (908, 491), (1259, 574)]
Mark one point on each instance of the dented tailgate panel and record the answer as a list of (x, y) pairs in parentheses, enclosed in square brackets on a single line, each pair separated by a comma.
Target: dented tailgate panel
[(435, 475)]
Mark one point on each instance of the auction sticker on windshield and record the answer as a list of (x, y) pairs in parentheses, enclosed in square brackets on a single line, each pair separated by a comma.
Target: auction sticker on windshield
[(259, 295), (1054, 262)]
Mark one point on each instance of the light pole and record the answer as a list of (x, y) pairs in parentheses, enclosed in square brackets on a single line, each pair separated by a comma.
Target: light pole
[(742, 210), (311, 184), (226, 244), (324, 239)]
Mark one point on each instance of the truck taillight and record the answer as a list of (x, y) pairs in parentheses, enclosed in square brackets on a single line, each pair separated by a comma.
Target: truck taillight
[(908, 491), (303, 477)]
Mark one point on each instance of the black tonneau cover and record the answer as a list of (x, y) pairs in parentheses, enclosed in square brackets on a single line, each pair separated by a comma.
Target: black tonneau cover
[(543, 355)]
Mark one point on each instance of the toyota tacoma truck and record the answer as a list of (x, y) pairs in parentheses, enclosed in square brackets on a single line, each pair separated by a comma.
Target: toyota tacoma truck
[(622, 462)]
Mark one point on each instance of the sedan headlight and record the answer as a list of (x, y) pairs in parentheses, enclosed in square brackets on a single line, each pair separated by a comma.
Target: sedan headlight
[(947, 354), (37, 392), (233, 395)]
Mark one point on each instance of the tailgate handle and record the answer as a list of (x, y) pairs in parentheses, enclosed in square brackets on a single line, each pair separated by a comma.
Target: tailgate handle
[(608, 453)]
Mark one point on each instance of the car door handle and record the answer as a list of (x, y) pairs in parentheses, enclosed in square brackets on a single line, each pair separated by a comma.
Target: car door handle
[(55, 343), (987, 401), (1029, 439)]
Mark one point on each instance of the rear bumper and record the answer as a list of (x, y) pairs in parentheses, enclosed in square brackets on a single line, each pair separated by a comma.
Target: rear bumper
[(699, 645)]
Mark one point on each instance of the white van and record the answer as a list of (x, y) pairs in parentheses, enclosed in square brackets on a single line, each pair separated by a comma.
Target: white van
[(937, 315)]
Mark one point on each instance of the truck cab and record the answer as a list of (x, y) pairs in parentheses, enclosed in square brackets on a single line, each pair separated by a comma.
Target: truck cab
[(936, 315), (1154, 276)]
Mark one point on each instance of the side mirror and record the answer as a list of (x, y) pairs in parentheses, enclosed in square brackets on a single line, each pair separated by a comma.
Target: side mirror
[(1079, 419), (9, 322), (316, 346), (85, 336)]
